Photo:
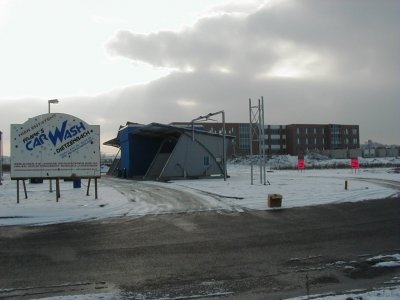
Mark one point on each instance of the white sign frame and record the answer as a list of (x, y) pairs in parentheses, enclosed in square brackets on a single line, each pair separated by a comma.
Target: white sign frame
[(55, 145)]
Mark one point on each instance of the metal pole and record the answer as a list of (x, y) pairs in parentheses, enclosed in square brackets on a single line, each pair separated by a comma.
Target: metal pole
[(263, 133), (50, 181), (54, 101), (223, 136), (259, 140), (192, 122), (251, 143), (223, 144), (192, 131)]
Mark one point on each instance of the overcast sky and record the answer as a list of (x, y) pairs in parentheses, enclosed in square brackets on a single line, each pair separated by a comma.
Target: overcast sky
[(108, 62)]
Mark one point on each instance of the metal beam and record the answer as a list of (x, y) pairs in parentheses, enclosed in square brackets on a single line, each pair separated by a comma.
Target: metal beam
[(206, 118)]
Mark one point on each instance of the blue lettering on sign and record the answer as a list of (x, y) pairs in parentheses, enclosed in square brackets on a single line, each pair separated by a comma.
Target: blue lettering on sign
[(36, 142), (64, 134), (59, 134)]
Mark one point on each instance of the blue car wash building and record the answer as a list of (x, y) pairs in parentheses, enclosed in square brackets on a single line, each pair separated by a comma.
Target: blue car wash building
[(161, 152)]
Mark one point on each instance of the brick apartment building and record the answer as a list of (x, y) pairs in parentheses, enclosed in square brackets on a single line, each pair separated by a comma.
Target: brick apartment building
[(301, 138), (290, 139)]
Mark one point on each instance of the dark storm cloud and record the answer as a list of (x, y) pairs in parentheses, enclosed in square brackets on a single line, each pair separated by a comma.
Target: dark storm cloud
[(208, 44), (341, 56), (345, 54), (356, 37)]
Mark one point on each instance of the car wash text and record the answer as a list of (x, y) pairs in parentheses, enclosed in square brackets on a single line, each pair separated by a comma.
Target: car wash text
[(38, 138)]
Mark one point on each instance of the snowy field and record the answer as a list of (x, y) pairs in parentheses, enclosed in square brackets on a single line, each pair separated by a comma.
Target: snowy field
[(120, 197), (312, 187)]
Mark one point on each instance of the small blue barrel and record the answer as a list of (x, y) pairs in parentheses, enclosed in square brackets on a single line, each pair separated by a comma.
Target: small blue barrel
[(77, 183)]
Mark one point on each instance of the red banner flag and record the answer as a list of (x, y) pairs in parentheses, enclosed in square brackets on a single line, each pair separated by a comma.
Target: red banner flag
[(301, 164), (354, 163)]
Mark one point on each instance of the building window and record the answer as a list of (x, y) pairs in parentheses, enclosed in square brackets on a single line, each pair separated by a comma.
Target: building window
[(244, 136), (275, 142), (298, 141), (355, 141), (306, 130), (354, 131), (275, 131), (315, 141), (315, 132), (298, 130), (306, 141), (206, 160)]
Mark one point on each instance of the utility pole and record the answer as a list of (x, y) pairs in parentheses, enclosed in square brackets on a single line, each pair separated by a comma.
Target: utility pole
[(206, 118), (263, 135), (251, 142)]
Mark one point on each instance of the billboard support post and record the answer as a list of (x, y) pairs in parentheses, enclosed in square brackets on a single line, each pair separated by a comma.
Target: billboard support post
[(88, 187), (26, 194), (17, 190), (96, 195), (58, 194), (95, 188), (23, 184)]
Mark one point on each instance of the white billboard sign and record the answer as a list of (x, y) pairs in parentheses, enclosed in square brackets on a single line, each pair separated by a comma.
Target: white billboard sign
[(55, 146)]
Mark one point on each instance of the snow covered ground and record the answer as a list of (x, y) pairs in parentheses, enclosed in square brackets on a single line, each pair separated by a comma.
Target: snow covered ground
[(312, 187), (392, 293), (389, 290), (119, 197)]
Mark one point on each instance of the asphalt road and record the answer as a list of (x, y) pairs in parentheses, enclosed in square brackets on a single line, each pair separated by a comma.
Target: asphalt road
[(249, 255)]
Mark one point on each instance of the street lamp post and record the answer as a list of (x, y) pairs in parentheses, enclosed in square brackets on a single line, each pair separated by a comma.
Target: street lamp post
[(52, 101), (207, 117)]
